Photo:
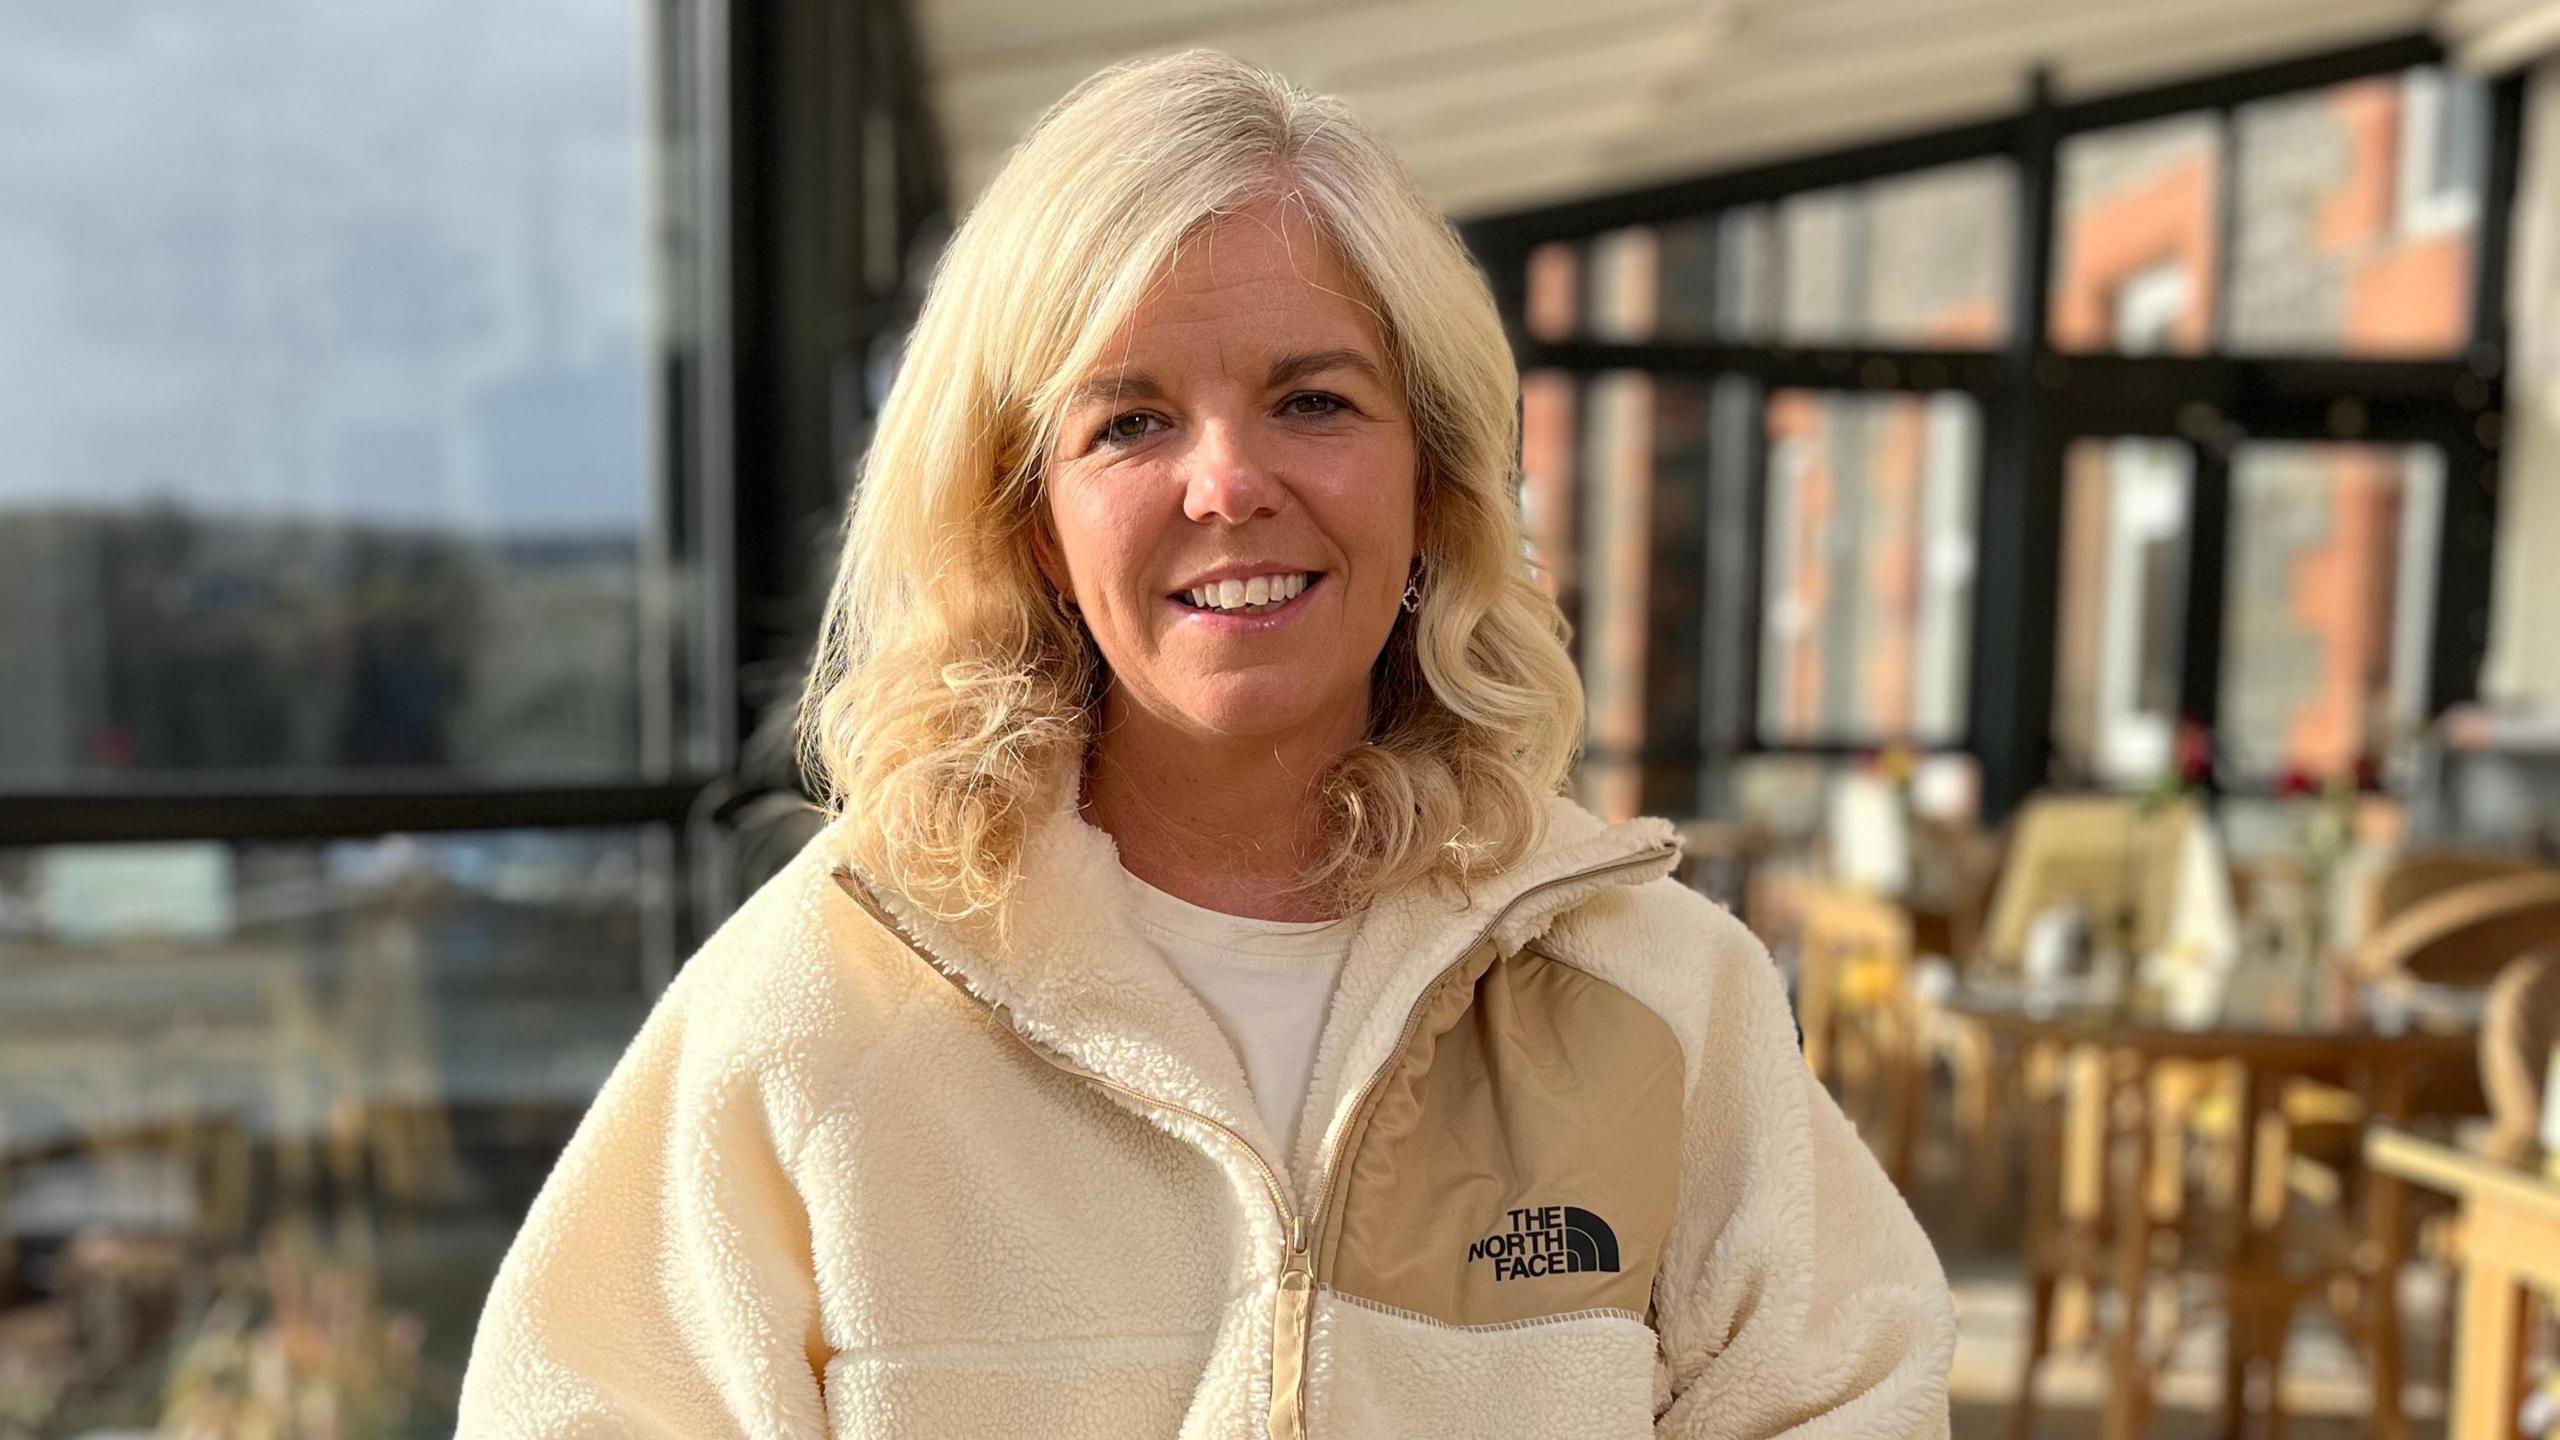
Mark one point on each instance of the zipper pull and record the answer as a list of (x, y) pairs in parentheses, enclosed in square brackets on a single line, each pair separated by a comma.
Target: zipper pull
[(1292, 1310)]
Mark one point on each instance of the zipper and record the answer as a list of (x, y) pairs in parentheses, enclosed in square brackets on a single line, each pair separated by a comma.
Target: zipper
[(1292, 1312), (1288, 1409), (1293, 1307)]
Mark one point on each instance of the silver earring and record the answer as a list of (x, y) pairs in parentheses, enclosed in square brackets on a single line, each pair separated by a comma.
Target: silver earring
[(1413, 595)]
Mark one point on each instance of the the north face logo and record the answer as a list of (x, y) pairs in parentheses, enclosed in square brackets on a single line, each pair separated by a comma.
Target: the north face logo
[(1550, 1240)]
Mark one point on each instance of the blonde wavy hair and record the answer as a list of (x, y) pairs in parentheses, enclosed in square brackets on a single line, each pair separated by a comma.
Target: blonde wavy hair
[(952, 695)]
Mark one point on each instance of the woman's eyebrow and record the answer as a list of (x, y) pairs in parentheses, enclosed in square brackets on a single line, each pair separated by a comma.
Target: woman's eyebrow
[(1112, 389), (1290, 369), (1287, 370)]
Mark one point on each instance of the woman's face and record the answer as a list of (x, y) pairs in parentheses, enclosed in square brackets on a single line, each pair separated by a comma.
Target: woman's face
[(1232, 494)]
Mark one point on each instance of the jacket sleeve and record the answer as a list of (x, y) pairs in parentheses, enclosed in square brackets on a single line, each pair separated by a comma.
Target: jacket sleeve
[(1798, 1296), (662, 1284)]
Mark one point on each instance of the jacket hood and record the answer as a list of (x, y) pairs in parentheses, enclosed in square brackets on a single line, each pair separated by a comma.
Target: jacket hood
[(1077, 977)]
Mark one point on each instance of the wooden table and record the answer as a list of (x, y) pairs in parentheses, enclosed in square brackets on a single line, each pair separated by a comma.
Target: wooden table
[(2093, 1091), (2510, 1241)]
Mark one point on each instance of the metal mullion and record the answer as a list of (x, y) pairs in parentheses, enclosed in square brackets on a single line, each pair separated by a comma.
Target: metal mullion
[(1749, 584), (714, 455), (1686, 755), (1729, 189), (2495, 230), (2209, 509), (2255, 82), (1846, 368), (2154, 394), (1680, 499), (1954, 144), (178, 813), (1506, 274), (2018, 514), (1850, 748), (2466, 533)]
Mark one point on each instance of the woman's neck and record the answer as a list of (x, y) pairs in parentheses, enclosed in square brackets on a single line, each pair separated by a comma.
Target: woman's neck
[(1234, 825)]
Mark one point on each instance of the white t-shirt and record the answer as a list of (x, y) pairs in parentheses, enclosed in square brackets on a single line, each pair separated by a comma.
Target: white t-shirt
[(1268, 984)]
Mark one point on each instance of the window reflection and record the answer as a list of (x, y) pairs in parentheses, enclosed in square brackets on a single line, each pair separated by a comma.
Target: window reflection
[(345, 1068), (1916, 260), (2120, 642), (327, 391), (2354, 230), (1868, 578), (2331, 578), (2353, 214), (2134, 238)]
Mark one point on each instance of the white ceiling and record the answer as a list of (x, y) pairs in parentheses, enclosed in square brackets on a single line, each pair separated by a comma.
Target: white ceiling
[(1498, 104)]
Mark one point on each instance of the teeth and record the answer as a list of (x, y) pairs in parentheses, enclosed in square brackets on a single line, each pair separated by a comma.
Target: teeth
[(1244, 594)]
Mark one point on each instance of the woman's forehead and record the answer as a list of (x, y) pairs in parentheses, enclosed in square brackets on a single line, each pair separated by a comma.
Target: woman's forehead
[(1255, 285), (1274, 239)]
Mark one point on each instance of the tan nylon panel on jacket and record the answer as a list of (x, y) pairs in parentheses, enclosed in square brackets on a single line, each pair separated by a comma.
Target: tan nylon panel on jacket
[(1528, 1086)]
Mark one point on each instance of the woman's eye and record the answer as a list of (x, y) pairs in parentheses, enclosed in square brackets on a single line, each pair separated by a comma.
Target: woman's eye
[(1315, 402), (1121, 429)]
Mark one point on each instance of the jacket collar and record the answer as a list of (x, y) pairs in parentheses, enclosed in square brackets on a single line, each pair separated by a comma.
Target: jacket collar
[(1076, 977)]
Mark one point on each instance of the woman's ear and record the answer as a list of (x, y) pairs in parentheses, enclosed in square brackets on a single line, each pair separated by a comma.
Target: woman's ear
[(1046, 554)]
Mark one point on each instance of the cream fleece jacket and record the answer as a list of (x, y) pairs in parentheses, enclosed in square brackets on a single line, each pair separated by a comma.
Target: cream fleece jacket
[(830, 1192)]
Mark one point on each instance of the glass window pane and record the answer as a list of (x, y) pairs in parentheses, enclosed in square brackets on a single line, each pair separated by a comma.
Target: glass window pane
[(1615, 510), (1553, 285), (2126, 529), (1867, 583), (1919, 260), (1548, 399), (2134, 238), (381, 1046), (1620, 283), (1747, 293), (2324, 629), (1938, 252), (1652, 476), (1822, 256), (330, 393), (2357, 207)]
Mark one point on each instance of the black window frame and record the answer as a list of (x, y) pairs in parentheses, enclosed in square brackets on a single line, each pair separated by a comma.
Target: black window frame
[(2036, 400), (808, 225)]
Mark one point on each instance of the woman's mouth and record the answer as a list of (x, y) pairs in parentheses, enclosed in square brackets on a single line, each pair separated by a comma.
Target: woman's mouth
[(1261, 595)]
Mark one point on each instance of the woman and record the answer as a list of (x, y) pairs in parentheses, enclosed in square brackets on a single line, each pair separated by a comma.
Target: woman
[(1200, 1015)]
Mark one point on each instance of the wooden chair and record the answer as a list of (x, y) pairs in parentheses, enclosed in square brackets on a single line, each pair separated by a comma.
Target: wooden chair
[(2518, 1033), (2116, 856), (2467, 935), (1854, 1000), (2123, 860), (2448, 921), (2421, 876)]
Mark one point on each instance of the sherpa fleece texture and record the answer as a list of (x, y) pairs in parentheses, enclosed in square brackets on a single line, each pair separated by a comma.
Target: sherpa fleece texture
[(824, 1193)]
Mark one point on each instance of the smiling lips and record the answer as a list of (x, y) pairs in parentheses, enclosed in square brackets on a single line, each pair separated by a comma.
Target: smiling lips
[(1257, 595)]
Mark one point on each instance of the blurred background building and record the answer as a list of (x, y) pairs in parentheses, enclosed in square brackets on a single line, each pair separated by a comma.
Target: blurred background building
[(2062, 500)]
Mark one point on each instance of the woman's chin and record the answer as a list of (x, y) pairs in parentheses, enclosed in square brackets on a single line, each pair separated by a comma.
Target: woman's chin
[(1268, 708)]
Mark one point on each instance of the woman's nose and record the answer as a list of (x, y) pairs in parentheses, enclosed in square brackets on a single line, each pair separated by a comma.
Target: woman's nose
[(1224, 480)]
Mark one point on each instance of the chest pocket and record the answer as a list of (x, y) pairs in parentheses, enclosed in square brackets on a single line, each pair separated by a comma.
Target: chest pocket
[(1523, 1161)]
